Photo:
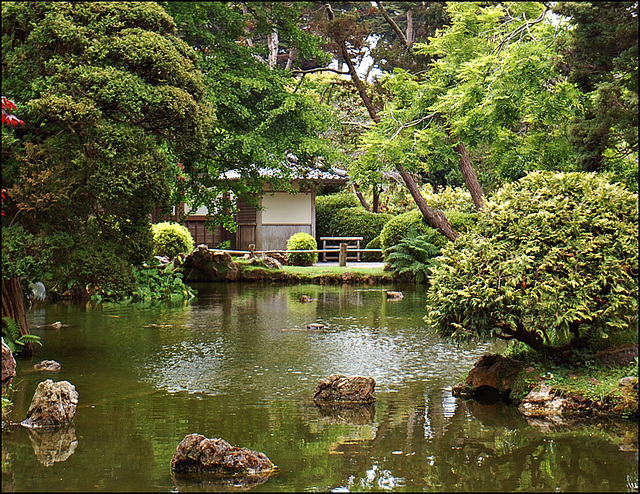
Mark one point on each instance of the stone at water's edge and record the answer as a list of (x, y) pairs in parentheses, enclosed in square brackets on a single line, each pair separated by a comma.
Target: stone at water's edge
[(340, 389), (8, 366), (53, 404), (494, 372), (204, 264), (197, 453)]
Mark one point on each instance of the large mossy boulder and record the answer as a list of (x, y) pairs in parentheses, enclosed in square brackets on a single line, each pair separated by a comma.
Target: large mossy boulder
[(204, 264)]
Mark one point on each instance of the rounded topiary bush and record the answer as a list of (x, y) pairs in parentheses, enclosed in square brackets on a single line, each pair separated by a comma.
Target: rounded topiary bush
[(302, 241), (170, 239), (326, 209), (552, 263)]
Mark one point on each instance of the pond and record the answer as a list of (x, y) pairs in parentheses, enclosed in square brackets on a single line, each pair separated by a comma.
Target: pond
[(238, 363)]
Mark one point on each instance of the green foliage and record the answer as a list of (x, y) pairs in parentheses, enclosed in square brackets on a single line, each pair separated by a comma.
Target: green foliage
[(326, 209), (398, 227), (11, 334), (112, 99), (302, 241), (600, 55), (553, 261), (413, 254), (373, 256), (171, 239), (356, 221), (161, 282), (261, 118)]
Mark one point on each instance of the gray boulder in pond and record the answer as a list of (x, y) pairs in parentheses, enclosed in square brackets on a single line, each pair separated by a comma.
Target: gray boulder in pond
[(341, 389), (197, 453), (53, 404)]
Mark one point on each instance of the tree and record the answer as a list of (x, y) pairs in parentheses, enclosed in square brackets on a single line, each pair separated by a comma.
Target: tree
[(553, 263), (264, 124), (113, 100), (12, 296), (490, 92), (600, 55)]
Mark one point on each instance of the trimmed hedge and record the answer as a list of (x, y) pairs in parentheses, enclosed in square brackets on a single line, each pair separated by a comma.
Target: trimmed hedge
[(326, 209), (357, 222)]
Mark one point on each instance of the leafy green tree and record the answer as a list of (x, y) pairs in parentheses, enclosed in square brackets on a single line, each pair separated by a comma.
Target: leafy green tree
[(553, 263), (263, 122), (600, 55), (112, 99)]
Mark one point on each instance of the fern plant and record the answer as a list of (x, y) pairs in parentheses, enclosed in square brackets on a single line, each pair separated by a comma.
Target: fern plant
[(11, 335), (413, 254)]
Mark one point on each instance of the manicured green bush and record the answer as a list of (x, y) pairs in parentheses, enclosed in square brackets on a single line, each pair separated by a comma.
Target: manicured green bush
[(358, 222), (552, 262), (171, 239), (302, 241), (373, 256), (326, 209)]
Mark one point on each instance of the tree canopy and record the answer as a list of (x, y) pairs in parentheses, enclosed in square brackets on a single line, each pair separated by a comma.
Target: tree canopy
[(112, 100)]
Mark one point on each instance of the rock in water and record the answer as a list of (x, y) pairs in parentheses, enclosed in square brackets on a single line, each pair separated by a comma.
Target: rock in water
[(53, 404), (196, 453), (47, 365), (341, 389), (394, 295), (8, 366)]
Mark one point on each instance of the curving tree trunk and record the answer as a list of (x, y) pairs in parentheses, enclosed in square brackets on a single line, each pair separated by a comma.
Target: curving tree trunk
[(13, 308)]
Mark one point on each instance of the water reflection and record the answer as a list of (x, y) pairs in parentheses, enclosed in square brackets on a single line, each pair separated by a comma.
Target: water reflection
[(53, 444), (223, 367)]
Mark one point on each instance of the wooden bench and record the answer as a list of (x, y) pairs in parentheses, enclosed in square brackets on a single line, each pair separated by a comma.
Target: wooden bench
[(334, 243)]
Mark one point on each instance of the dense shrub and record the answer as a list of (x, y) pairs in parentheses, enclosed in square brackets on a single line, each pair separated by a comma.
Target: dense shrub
[(326, 209), (398, 227), (357, 222), (170, 239), (553, 263), (372, 256), (449, 199), (302, 241)]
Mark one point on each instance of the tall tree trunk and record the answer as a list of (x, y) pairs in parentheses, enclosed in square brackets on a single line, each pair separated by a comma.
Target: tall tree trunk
[(13, 308), (434, 217), (376, 199), (470, 177), (409, 27), (358, 83)]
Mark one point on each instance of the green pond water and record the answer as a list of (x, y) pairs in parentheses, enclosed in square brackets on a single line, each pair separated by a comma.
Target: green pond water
[(238, 363)]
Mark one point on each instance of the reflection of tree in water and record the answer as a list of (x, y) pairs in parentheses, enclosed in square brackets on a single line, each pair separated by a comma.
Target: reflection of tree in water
[(204, 482), (446, 444)]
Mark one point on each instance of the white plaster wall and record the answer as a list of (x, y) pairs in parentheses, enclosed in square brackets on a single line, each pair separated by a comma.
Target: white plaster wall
[(288, 209)]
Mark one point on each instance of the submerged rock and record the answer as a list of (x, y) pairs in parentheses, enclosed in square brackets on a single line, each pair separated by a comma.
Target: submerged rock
[(394, 295), (315, 325), (197, 453), (341, 389), (53, 404), (47, 366)]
